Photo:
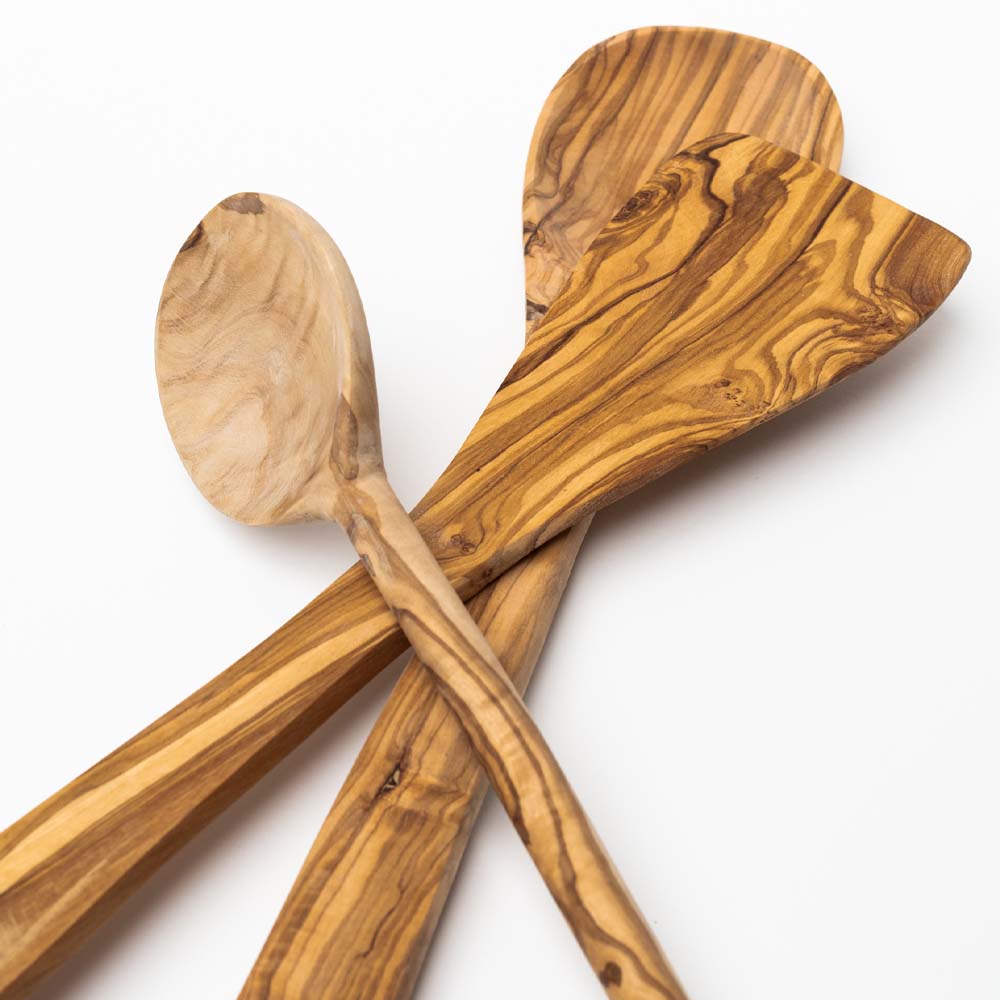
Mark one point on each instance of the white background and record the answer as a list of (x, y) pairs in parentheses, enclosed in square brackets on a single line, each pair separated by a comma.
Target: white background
[(774, 677)]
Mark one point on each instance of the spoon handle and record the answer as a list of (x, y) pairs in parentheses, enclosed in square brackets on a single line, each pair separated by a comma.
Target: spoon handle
[(358, 922), (524, 772)]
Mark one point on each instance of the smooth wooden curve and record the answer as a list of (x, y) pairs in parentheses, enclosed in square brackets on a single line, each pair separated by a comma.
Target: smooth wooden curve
[(362, 912), (904, 267)]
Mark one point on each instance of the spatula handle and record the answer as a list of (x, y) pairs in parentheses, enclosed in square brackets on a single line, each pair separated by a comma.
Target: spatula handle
[(521, 767), (70, 861)]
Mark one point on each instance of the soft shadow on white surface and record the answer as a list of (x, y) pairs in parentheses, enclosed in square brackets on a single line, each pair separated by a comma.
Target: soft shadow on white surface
[(862, 393)]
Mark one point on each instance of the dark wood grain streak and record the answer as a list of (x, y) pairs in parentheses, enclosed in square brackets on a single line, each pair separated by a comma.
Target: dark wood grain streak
[(361, 914)]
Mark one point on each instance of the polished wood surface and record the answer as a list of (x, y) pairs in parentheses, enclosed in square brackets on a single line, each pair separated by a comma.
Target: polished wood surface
[(266, 376), (629, 102), (171, 778), (363, 909)]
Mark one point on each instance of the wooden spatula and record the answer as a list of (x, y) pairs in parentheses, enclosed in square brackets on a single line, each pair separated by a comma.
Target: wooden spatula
[(361, 914), (739, 282)]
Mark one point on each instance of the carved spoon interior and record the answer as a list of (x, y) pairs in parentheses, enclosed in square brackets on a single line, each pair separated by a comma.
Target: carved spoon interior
[(267, 384)]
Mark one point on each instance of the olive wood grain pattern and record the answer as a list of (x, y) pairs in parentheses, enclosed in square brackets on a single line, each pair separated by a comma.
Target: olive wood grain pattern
[(266, 377), (640, 96), (740, 282), (361, 914)]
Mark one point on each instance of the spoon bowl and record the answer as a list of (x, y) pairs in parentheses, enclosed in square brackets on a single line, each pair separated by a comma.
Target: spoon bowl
[(264, 363)]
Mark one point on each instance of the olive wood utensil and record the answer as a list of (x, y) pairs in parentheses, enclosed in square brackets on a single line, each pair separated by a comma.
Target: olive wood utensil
[(267, 384), (750, 313), (361, 914)]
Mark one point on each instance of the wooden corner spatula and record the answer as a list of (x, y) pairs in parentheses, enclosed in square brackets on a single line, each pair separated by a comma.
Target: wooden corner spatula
[(749, 275), (754, 278), (739, 282), (360, 917)]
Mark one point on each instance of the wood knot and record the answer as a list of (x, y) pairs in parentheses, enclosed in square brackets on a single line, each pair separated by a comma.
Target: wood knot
[(248, 203), (635, 204), (392, 781), (395, 778), (462, 543), (534, 238), (731, 393), (611, 975), (533, 310), (874, 314), (192, 240), (735, 396)]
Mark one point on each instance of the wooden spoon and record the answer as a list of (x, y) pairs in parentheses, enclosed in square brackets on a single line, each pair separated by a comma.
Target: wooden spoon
[(623, 106), (358, 921), (126, 814), (268, 388)]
